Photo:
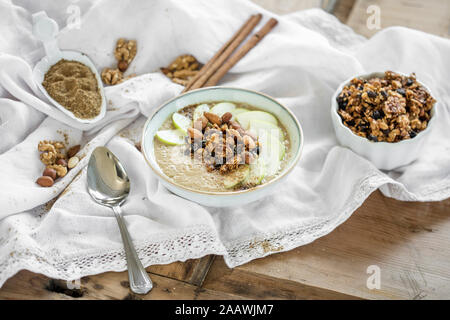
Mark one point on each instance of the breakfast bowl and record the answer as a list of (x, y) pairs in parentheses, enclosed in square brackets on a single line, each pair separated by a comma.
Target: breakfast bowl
[(170, 147), (385, 155)]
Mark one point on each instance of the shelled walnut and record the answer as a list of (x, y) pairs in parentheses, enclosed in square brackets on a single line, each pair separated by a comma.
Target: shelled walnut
[(112, 76), (124, 53), (51, 151), (182, 69)]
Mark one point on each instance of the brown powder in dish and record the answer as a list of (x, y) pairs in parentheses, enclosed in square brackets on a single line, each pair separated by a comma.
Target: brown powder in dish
[(74, 86)]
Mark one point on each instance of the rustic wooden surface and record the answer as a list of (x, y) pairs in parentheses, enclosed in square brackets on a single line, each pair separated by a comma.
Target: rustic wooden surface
[(409, 242)]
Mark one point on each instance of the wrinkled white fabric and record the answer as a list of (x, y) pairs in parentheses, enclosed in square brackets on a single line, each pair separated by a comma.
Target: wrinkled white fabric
[(301, 62)]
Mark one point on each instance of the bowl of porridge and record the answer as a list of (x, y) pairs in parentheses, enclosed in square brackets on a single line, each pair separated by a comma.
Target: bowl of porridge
[(222, 146), (385, 117)]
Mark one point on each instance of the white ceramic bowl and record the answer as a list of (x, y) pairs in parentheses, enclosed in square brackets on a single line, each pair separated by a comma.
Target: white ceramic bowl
[(384, 155), (210, 94)]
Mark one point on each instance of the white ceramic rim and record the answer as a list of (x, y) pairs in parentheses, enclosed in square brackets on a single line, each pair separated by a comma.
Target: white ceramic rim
[(284, 173), (335, 107), (91, 66)]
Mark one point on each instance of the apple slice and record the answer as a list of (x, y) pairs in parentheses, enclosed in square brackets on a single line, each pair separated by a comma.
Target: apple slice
[(245, 118), (257, 127), (171, 137), (237, 111), (198, 112), (272, 151), (257, 173), (181, 122), (235, 178), (223, 107)]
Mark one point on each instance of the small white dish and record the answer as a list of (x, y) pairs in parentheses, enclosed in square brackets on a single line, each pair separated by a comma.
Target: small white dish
[(384, 155), (46, 29), (231, 198)]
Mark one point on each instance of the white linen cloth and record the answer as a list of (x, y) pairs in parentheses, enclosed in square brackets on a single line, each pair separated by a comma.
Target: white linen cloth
[(301, 62)]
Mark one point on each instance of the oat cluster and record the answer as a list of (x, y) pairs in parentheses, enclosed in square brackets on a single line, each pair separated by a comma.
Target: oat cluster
[(389, 109)]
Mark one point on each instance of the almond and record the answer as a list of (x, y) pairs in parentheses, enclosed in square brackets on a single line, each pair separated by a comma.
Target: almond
[(73, 151), (195, 134), (49, 172), (213, 118), (45, 181)]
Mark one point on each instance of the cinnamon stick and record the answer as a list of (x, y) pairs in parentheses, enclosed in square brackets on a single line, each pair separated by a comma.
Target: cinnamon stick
[(250, 44), (220, 57), (217, 55)]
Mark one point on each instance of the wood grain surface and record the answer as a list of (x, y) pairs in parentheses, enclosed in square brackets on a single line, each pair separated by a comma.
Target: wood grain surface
[(408, 242)]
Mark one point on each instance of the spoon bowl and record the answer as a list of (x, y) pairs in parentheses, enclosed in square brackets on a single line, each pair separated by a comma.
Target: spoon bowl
[(108, 181), (109, 185)]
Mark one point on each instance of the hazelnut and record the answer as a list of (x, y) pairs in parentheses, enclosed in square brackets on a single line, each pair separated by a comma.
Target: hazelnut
[(49, 172), (122, 65), (226, 117), (73, 162), (45, 181), (62, 162)]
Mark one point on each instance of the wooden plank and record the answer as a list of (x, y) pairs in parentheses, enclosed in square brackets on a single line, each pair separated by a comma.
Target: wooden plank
[(431, 16), (283, 7), (407, 241), (191, 271), (110, 285), (343, 9), (258, 286)]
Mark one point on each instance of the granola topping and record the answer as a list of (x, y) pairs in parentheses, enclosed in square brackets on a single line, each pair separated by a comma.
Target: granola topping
[(389, 109)]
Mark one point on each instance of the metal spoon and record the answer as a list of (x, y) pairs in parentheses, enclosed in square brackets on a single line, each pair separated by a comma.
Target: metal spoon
[(109, 185)]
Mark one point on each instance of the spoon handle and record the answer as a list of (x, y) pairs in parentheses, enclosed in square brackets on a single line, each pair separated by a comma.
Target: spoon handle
[(140, 282)]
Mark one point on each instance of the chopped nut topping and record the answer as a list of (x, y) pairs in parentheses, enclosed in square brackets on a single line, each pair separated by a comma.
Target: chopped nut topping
[(221, 148)]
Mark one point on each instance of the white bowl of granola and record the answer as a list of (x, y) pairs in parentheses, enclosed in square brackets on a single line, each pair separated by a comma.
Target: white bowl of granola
[(385, 117)]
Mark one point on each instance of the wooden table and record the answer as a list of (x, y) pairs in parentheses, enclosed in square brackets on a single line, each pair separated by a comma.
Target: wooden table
[(408, 242)]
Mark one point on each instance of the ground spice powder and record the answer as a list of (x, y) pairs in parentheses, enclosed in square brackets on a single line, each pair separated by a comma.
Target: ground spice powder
[(74, 86)]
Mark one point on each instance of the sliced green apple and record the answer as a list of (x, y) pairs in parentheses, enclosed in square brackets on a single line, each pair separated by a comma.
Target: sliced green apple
[(223, 107), (245, 118), (272, 151), (199, 110), (257, 173), (171, 137), (235, 178), (257, 127), (181, 122), (237, 111)]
